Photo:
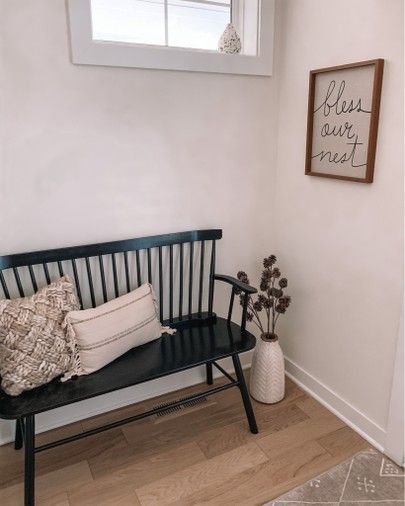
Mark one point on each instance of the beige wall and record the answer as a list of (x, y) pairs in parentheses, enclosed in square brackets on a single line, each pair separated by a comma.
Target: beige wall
[(341, 242)]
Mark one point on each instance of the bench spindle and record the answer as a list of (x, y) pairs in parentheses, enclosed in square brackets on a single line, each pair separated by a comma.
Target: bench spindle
[(126, 267), (33, 279), (201, 282), (90, 280), (46, 272), (60, 269), (77, 283), (160, 284), (138, 268), (115, 276), (149, 265), (102, 274), (4, 285), (171, 282), (181, 280), (211, 281), (18, 281), (190, 280)]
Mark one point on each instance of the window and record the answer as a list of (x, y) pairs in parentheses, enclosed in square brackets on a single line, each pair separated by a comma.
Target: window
[(172, 34), (196, 24)]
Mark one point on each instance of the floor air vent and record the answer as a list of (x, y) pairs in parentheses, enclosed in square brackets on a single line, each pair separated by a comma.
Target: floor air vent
[(183, 408)]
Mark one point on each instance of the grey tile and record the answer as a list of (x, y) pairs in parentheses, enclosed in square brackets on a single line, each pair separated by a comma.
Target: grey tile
[(365, 482), (368, 479), (326, 488), (372, 503)]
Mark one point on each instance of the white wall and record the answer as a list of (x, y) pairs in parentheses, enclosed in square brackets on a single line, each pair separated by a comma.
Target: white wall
[(94, 153), (341, 242)]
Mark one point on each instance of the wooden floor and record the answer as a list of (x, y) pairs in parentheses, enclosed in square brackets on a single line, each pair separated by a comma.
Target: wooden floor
[(201, 455)]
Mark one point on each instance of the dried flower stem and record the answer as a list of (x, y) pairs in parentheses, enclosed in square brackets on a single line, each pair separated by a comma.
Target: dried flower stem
[(259, 323), (272, 300), (271, 310)]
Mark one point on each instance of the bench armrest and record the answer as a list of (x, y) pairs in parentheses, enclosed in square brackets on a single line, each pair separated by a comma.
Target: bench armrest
[(243, 287), (235, 283)]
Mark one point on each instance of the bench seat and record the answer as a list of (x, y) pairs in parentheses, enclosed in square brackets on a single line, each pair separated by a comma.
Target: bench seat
[(188, 347)]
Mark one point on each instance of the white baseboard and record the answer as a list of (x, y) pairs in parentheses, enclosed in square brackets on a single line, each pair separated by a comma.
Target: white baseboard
[(349, 414), (103, 403)]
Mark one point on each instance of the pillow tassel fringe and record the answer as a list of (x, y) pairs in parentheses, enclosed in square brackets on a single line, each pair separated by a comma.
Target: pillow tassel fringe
[(76, 369), (168, 330)]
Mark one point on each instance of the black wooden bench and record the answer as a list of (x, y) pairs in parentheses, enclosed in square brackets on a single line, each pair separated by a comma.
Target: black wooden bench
[(181, 267)]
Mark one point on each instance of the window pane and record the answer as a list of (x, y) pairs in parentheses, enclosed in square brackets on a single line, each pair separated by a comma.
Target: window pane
[(197, 24), (135, 21)]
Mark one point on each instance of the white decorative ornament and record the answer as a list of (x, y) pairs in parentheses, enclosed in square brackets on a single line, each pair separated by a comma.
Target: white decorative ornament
[(267, 379), (229, 41)]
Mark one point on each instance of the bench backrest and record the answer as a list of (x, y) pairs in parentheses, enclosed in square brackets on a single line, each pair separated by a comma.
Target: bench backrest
[(180, 267)]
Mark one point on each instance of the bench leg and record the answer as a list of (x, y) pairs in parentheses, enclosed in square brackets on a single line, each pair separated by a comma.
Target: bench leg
[(18, 441), (245, 395), (210, 380), (29, 473)]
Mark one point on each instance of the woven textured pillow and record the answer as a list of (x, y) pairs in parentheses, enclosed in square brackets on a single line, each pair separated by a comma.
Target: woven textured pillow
[(106, 332), (34, 347)]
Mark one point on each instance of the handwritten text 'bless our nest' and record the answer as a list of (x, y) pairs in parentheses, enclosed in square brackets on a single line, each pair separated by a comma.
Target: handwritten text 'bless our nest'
[(336, 110)]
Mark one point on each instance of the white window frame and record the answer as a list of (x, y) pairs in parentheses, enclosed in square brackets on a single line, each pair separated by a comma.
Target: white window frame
[(86, 51)]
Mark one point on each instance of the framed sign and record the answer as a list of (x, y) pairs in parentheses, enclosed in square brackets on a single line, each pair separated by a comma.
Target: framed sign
[(343, 110)]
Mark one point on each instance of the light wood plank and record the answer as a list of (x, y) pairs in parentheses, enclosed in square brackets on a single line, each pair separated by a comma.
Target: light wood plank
[(211, 473), (308, 430), (14, 496), (51, 488), (103, 493), (101, 445), (313, 408), (182, 430), (256, 484), (115, 485), (12, 461), (140, 471), (343, 443), (270, 419), (11, 465)]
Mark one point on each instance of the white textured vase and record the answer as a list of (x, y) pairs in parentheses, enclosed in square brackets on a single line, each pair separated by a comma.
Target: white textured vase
[(267, 380), (229, 41)]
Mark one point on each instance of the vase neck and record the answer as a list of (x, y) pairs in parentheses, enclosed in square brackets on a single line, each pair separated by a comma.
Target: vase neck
[(269, 337)]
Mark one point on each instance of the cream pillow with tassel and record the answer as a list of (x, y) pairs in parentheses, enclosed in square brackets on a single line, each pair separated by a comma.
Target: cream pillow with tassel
[(106, 332)]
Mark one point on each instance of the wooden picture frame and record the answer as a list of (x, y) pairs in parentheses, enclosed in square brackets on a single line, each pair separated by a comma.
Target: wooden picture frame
[(342, 124)]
